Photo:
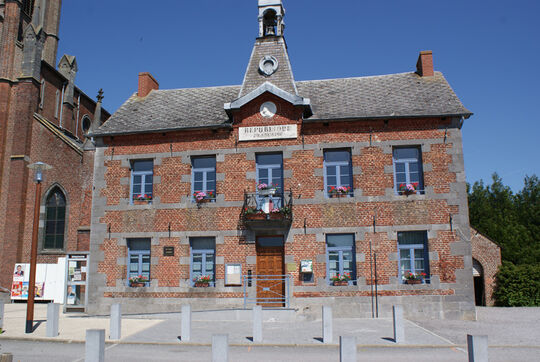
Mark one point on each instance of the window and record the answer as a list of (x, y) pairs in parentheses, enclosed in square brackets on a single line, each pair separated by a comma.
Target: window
[(57, 104), (202, 251), (338, 173), (55, 220), (142, 179), (408, 169), (413, 253), (340, 256), (86, 123), (139, 258), (270, 172), (203, 176), (42, 94)]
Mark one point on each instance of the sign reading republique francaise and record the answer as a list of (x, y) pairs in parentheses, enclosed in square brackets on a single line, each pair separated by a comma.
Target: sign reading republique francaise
[(267, 132)]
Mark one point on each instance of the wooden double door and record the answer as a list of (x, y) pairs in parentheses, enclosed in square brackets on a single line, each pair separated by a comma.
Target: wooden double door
[(270, 272)]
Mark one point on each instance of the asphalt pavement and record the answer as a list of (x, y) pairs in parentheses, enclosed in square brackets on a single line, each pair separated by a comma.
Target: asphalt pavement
[(513, 335)]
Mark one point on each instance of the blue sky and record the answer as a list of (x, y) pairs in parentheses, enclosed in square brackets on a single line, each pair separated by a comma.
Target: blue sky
[(488, 51)]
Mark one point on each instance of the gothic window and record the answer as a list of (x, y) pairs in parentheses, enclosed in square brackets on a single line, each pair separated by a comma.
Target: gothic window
[(28, 7), (55, 220)]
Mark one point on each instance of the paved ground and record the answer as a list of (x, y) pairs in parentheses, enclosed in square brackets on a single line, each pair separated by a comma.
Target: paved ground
[(514, 335)]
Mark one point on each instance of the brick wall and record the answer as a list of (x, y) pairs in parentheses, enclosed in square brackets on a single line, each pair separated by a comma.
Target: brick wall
[(488, 254), (315, 215)]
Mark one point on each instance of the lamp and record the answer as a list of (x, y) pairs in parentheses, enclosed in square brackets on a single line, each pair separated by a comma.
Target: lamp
[(39, 168)]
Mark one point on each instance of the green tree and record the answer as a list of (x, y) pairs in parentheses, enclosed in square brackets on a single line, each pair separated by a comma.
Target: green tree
[(513, 221)]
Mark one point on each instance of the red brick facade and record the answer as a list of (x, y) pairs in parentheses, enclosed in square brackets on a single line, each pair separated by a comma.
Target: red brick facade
[(31, 131)]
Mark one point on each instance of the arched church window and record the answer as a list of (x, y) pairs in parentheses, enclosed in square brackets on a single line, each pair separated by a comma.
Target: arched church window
[(55, 220), (86, 123), (28, 7)]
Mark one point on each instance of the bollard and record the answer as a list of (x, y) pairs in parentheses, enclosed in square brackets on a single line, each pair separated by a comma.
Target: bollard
[(1, 314), (257, 323), (53, 314), (116, 322), (347, 349), (95, 345), (399, 327), (6, 357), (220, 348), (477, 347), (327, 324), (185, 334)]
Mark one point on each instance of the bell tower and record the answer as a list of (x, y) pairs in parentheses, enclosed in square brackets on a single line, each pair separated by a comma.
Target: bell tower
[(271, 13)]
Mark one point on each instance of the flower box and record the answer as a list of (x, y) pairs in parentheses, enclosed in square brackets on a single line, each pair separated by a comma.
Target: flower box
[(256, 216), (413, 281), (341, 283), (276, 216), (141, 202), (202, 285), (136, 285)]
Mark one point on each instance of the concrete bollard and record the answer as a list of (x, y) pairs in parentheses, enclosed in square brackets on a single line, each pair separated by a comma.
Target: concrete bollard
[(399, 325), (257, 324), (477, 347), (1, 314), (185, 333), (220, 348), (116, 322), (6, 357), (95, 345), (347, 349), (53, 315), (327, 324)]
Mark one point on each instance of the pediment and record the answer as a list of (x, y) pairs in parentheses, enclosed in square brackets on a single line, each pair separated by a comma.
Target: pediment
[(268, 87)]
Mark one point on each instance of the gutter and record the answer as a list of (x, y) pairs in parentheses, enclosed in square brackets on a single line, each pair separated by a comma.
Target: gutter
[(322, 120), (160, 130)]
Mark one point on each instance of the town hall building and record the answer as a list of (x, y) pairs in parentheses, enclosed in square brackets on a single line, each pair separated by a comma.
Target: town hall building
[(284, 193)]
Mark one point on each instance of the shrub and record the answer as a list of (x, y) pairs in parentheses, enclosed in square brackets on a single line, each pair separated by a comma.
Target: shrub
[(518, 285)]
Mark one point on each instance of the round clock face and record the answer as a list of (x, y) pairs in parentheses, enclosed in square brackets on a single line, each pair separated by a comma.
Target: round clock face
[(268, 109)]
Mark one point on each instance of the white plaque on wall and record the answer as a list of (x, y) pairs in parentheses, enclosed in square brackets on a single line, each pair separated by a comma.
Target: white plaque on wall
[(267, 132)]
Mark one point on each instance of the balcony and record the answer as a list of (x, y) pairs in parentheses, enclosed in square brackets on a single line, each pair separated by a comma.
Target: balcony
[(267, 210)]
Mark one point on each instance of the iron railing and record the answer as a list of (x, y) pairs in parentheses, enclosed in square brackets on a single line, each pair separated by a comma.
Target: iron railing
[(261, 206), (267, 290)]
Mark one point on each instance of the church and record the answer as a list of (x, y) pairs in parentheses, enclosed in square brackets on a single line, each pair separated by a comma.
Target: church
[(44, 117), (284, 193)]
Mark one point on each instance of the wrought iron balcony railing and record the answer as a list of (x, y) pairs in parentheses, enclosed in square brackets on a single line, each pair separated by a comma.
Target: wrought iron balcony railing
[(267, 207)]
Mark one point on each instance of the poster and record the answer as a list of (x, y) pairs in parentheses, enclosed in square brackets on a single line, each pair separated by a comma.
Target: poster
[(19, 286)]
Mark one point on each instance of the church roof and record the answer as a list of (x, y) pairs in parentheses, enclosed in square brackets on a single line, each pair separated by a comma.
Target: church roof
[(386, 96)]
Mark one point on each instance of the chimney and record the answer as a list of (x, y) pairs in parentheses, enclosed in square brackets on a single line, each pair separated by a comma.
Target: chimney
[(146, 84), (424, 66)]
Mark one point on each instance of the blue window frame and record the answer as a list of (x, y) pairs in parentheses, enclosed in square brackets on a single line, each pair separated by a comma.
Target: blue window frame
[(337, 171), (408, 167), (413, 253), (203, 175), (270, 171), (202, 258), (138, 258), (142, 179), (340, 256)]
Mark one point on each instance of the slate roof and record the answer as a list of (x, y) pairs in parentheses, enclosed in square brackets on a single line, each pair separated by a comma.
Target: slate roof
[(282, 78), (386, 96)]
